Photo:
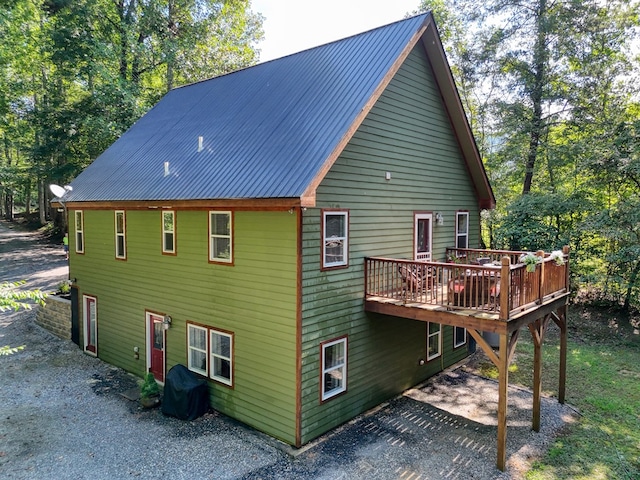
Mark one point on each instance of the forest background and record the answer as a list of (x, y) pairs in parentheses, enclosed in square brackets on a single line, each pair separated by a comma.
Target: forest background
[(550, 87)]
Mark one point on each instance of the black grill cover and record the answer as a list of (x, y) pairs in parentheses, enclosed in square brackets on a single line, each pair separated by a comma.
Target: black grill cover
[(185, 396)]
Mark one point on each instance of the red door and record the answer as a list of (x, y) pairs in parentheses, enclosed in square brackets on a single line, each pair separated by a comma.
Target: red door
[(156, 346)]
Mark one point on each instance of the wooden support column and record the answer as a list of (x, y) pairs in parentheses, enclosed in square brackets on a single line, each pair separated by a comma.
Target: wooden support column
[(503, 383), (560, 319), (537, 330), (502, 361)]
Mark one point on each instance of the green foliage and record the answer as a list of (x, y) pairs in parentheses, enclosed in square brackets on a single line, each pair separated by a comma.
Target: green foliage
[(539, 222), (12, 298), (64, 287), (7, 350), (74, 75), (149, 386)]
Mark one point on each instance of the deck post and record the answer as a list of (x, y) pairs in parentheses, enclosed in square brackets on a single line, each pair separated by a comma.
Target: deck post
[(561, 321), (505, 288), (537, 332), (540, 253), (503, 383)]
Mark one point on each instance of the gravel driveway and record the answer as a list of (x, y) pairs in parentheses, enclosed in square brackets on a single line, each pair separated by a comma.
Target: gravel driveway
[(62, 416)]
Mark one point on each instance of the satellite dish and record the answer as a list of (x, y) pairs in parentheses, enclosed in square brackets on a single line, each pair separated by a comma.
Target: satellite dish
[(57, 190)]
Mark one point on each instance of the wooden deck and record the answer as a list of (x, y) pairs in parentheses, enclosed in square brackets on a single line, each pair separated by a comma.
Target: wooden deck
[(482, 291)]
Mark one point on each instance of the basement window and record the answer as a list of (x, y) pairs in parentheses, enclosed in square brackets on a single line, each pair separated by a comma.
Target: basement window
[(434, 340), (210, 353), (334, 368)]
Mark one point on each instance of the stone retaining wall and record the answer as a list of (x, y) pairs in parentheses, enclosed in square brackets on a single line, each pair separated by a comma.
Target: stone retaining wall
[(55, 316)]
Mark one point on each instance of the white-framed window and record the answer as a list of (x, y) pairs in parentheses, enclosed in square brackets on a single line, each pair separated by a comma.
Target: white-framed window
[(422, 233), (90, 324), (335, 238), (221, 356), (169, 232), (462, 229), (210, 353), (79, 221), (197, 349), (220, 237), (121, 234), (434, 340), (334, 367), (459, 336)]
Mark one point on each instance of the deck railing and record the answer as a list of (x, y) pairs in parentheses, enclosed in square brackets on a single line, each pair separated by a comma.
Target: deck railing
[(501, 285)]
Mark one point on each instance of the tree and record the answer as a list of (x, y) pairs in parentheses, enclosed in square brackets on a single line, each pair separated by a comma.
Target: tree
[(76, 74), (555, 83)]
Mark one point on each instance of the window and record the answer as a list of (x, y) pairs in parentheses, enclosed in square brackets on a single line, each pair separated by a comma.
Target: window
[(121, 232), (90, 323), (210, 353), (459, 336), (422, 226), (335, 239), (433, 340), (220, 237), (79, 231), (221, 361), (197, 346), (169, 232), (462, 229), (334, 368)]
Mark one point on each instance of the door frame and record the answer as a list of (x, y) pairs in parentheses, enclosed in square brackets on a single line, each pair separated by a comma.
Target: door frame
[(417, 216), (149, 315)]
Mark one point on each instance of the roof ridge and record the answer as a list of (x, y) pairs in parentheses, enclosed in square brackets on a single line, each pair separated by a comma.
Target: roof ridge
[(425, 14)]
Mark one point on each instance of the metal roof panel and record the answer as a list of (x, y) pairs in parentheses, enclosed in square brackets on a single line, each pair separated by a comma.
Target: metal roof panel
[(267, 130)]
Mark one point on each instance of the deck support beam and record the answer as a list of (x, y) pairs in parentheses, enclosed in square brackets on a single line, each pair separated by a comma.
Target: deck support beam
[(560, 319), (537, 330), (502, 361), (503, 384)]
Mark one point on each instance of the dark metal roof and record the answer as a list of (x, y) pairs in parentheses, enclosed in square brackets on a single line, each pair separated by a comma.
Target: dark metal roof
[(267, 130)]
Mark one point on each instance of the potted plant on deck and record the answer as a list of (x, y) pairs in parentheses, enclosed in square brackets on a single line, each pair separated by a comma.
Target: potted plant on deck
[(530, 260), (149, 392)]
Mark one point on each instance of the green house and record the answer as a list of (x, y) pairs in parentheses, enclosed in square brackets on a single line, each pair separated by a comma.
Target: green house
[(227, 230)]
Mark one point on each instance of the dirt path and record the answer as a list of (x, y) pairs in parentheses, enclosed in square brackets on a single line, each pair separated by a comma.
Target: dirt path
[(26, 256)]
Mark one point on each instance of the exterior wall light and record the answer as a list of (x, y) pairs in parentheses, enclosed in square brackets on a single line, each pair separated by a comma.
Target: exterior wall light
[(166, 322), (439, 219)]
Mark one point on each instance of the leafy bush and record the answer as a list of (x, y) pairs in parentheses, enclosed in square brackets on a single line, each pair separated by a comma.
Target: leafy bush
[(149, 387)]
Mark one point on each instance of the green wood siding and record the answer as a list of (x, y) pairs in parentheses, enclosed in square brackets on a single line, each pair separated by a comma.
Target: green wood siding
[(255, 299), (408, 134)]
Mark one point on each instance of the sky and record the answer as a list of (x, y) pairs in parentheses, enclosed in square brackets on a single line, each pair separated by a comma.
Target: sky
[(294, 25)]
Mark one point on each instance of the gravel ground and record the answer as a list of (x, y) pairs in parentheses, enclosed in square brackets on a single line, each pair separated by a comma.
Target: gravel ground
[(62, 416)]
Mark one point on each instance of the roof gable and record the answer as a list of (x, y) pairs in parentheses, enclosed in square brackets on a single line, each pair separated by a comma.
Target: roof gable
[(270, 131)]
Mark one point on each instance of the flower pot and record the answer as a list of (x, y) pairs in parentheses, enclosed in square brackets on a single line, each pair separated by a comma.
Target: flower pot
[(150, 402)]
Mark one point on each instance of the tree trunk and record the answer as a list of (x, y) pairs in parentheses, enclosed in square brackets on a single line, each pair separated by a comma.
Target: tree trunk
[(539, 72), (42, 202), (27, 198), (8, 206)]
